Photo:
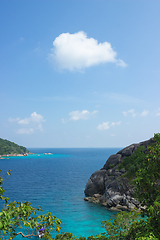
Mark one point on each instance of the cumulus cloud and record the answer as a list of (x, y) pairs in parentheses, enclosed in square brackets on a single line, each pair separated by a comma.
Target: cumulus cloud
[(107, 125), (130, 112), (30, 124), (81, 115), (77, 52), (144, 113)]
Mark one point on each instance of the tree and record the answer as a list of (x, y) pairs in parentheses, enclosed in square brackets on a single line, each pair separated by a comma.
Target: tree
[(148, 186), (148, 176), (18, 218), (118, 229)]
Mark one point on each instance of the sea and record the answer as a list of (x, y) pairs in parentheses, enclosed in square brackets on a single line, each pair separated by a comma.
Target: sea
[(56, 182)]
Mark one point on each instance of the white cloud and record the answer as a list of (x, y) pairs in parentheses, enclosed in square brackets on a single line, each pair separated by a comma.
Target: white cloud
[(103, 126), (34, 118), (130, 112), (21, 39), (13, 119), (144, 113), (77, 52), (24, 121), (121, 63), (32, 123), (112, 135), (158, 112), (25, 131), (63, 121), (83, 115), (107, 125)]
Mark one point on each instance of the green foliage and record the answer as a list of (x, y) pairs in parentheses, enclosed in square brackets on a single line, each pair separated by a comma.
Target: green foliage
[(7, 147), (111, 165), (134, 162), (20, 218), (1, 188), (118, 229), (143, 170), (65, 236), (19, 215), (149, 237), (148, 177), (141, 230), (69, 236)]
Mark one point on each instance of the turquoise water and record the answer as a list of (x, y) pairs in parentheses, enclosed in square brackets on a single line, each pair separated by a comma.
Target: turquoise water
[(56, 182)]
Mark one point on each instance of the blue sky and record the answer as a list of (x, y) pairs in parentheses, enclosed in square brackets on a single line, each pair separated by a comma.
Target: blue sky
[(79, 73)]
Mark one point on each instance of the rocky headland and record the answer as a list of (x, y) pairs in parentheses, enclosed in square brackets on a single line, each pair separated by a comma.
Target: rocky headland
[(109, 187)]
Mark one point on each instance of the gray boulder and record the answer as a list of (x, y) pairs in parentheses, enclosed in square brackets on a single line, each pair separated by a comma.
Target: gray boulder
[(127, 151), (112, 161), (95, 184)]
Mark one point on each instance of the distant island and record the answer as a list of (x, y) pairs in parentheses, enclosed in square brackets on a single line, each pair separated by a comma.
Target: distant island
[(8, 148)]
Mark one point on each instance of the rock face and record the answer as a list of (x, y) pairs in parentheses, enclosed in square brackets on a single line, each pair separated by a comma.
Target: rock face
[(105, 187)]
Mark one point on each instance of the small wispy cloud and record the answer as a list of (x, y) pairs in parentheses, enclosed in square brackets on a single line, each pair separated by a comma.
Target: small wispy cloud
[(37, 49), (120, 98), (81, 115), (130, 112), (63, 120), (21, 39), (32, 123), (121, 63), (25, 131), (133, 114), (12, 120), (158, 112), (145, 113), (107, 125), (113, 135), (75, 52)]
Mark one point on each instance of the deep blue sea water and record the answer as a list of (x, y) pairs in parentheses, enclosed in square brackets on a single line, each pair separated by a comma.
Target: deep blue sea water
[(57, 182)]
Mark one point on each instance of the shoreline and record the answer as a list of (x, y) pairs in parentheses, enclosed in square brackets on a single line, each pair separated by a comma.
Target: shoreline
[(20, 155), (15, 155)]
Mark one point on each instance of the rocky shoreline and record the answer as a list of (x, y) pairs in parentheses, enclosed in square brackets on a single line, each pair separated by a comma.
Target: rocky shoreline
[(109, 188), (15, 155), (20, 155)]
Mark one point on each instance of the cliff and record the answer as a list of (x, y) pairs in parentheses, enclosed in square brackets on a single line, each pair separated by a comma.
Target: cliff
[(110, 186)]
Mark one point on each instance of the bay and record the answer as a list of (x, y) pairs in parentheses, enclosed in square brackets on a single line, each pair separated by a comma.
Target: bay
[(56, 182)]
